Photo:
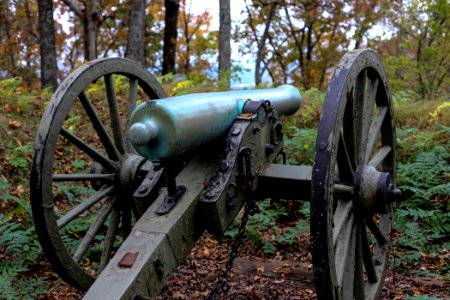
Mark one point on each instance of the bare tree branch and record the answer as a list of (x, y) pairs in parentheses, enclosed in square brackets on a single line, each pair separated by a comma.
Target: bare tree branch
[(76, 9)]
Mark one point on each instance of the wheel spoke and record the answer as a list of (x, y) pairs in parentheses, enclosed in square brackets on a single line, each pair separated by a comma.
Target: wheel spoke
[(111, 150), (132, 97), (83, 206), (367, 256), (342, 216), (345, 257), (380, 156), (358, 111), (83, 177), (346, 173), (109, 238), (374, 131), (116, 124), (348, 132), (93, 230), (369, 102), (94, 154), (373, 227), (358, 287)]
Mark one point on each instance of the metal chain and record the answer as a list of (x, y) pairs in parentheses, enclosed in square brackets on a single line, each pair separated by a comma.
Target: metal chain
[(250, 209)]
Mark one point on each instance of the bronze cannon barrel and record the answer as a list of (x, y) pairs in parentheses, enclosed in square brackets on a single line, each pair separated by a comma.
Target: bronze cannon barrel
[(163, 128)]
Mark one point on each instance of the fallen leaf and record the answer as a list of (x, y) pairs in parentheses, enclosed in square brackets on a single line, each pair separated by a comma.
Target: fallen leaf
[(20, 190), (278, 281), (179, 295), (14, 124)]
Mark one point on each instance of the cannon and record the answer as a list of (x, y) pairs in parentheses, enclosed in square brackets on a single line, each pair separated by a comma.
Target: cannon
[(124, 179)]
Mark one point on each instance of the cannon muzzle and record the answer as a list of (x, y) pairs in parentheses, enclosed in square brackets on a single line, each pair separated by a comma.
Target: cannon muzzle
[(163, 128)]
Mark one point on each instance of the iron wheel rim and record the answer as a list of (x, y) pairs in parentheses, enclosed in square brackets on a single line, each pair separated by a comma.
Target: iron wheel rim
[(43, 162), (330, 169)]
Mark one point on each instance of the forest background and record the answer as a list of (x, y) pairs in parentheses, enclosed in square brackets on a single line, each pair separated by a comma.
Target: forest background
[(287, 41)]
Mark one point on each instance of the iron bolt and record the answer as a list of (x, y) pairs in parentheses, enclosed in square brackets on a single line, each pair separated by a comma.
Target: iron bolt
[(143, 189), (231, 204), (210, 194), (236, 131), (224, 166), (269, 149)]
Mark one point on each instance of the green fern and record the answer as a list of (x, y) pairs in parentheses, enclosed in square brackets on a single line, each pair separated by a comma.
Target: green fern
[(21, 244), (424, 219)]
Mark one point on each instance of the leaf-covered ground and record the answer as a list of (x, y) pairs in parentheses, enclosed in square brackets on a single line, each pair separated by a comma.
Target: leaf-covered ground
[(197, 275)]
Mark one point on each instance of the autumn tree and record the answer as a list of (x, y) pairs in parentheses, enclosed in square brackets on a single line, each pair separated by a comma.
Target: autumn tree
[(261, 41), (8, 43), (365, 15), (197, 44), (295, 41), (19, 40), (47, 44), (89, 14), (170, 35), (422, 62), (224, 39)]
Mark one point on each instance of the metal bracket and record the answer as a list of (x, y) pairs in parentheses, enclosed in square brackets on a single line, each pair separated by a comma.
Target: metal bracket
[(170, 201), (149, 181), (174, 192)]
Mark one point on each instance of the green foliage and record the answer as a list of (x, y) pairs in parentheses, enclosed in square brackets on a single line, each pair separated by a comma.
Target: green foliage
[(262, 228), (426, 175), (401, 71), (423, 62), (22, 204), (404, 96), (411, 141), (22, 246), (10, 87), (19, 158), (301, 146), (308, 115), (225, 78), (423, 220), (14, 92)]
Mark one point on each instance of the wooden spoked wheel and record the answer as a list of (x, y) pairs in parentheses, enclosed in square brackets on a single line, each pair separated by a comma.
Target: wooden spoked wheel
[(84, 170), (353, 181)]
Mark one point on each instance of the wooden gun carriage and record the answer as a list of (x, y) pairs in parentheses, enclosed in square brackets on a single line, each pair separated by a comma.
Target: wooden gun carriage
[(121, 190)]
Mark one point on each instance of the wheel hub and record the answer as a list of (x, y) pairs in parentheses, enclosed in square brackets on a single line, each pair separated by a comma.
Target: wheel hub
[(129, 166), (374, 190)]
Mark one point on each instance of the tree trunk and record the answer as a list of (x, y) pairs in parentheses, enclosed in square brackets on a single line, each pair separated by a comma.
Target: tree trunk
[(136, 30), (170, 35), (91, 19), (47, 44), (224, 40), (259, 57)]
